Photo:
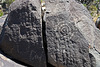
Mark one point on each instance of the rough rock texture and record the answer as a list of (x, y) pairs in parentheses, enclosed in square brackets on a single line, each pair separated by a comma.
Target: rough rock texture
[(21, 37), (2, 20), (93, 61), (66, 45), (96, 56), (84, 22), (5, 61)]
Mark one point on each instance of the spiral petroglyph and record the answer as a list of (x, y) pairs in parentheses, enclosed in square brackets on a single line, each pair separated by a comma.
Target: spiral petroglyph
[(64, 42), (63, 29)]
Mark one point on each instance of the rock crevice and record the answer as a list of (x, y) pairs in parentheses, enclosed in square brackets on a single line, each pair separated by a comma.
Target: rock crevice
[(52, 40)]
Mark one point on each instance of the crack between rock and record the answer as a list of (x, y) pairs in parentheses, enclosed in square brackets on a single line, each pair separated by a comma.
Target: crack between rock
[(44, 40), (44, 32), (43, 16)]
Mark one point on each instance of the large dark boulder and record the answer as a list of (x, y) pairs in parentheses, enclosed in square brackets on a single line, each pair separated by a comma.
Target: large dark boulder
[(21, 37), (54, 42), (84, 22), (66, 45)]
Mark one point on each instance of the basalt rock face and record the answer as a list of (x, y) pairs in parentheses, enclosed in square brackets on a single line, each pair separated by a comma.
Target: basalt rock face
[(66, 45), (54, 42), (21, 37), (85, 24), (83, 21)]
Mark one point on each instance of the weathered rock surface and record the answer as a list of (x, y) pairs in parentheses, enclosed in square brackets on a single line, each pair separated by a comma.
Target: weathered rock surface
[(66, 45), (2, 20), (84, 22), (96, 56), (21, 37)]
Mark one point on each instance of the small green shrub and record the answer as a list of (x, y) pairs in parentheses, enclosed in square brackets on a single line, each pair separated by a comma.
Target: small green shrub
[(85, 5), (41, 0), (8, 2), (1, 13), (93, 8), (92, 13)]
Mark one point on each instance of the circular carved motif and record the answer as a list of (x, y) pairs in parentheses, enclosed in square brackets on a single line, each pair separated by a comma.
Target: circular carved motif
[(63, 29)]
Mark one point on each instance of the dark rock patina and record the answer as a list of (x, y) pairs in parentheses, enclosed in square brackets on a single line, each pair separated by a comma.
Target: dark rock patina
[(84, 22), (21, 37), (54, 42), (66, 45)]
